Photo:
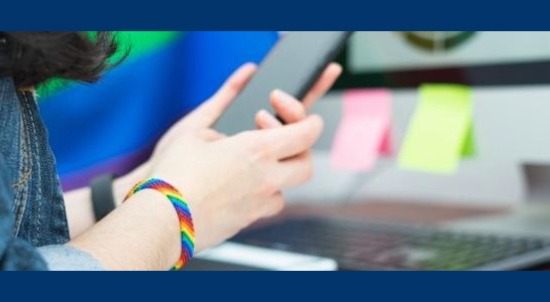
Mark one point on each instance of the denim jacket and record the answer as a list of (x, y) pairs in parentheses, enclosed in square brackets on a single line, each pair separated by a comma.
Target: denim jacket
[(33, 225)]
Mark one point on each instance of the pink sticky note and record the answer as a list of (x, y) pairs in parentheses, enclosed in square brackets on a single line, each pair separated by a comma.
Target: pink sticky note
[(365, 130)]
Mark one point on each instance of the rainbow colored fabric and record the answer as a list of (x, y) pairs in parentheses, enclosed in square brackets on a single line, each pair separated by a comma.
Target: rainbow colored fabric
[(112, 126), (182, 209)]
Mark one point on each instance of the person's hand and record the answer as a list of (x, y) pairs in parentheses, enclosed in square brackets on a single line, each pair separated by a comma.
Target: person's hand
[(231, 182)]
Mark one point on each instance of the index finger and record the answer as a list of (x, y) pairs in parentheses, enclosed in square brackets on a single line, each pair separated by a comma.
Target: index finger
[(209, 111)]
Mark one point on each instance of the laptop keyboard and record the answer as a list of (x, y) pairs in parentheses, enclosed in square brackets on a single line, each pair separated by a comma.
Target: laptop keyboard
[(360, 245)]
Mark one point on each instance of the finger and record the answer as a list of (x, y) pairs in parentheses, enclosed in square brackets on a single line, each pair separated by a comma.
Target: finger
[(289, 109), (327, 79), (209, 112), (296, 138), (287, 141), (264, 120), (296, 170)]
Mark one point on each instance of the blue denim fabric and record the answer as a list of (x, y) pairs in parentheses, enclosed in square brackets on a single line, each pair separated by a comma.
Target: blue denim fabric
[(66, 258), (38, 200), (15, 254), (32, 210)]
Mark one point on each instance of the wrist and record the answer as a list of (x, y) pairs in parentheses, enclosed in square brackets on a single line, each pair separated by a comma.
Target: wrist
[(195, 193), (161, 208), (142, 234), (181, 209)]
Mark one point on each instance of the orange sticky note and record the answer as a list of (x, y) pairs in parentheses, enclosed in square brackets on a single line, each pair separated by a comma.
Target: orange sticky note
[(364, 132)]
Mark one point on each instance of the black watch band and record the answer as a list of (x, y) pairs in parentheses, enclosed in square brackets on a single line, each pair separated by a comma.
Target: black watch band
[(103, 198)]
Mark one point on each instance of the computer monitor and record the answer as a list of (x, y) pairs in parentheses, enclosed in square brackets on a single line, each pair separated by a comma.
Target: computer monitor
[(408, 59)]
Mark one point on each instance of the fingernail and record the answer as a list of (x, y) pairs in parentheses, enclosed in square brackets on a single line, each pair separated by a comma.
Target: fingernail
[(317, 119), (269, 119), (249, 65), (283, 96), (339, 68)]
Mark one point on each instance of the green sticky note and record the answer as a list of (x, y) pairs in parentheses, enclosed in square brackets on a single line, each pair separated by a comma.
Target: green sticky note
[(441, 130)]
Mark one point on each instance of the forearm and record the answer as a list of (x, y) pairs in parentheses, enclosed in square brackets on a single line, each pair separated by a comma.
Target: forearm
[(141, 234), (78, 203)]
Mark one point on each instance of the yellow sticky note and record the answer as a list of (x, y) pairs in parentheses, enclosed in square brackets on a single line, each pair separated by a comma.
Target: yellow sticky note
[(441, 130)]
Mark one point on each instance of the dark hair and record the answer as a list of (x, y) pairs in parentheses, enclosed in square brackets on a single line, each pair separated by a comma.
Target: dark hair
[(32, 58)]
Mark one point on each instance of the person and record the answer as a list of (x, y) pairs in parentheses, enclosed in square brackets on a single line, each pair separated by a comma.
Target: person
[(228, 181)]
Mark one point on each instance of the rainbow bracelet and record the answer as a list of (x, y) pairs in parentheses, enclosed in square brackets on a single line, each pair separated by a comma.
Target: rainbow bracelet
[(182, 209)]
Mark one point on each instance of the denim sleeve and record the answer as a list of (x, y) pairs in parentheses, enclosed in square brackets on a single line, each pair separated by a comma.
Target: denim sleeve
[(18, 254), (15, 253), (66, 258)]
